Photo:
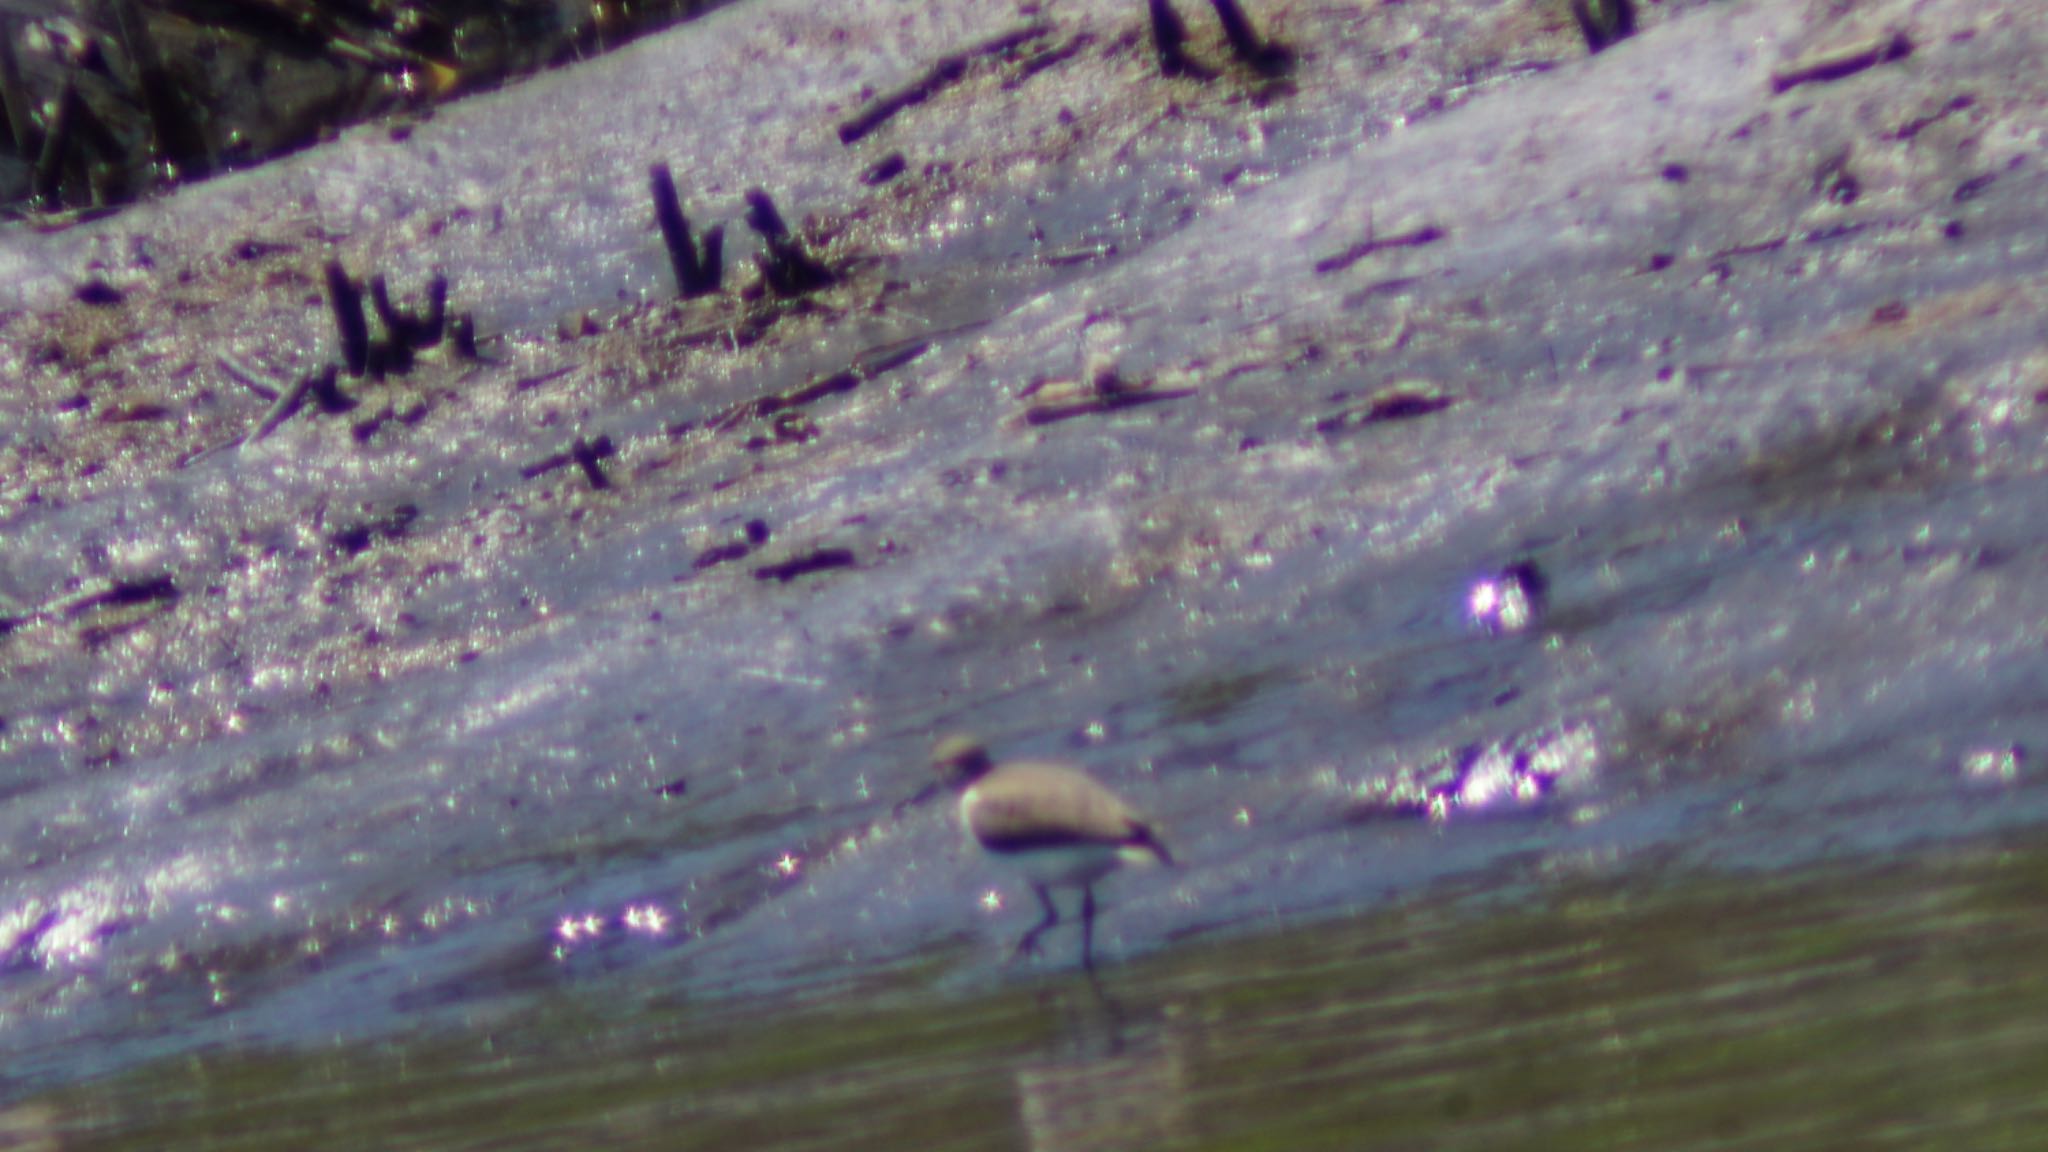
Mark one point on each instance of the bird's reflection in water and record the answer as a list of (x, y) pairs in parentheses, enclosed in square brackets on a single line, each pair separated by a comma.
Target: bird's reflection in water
[(1109, 1081)]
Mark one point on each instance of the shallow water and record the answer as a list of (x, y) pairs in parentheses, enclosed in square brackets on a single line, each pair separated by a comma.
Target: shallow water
[(1810, 1009), (424, 740)]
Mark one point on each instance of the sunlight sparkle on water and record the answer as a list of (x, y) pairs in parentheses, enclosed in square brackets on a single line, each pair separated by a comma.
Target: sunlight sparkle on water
[(574, 928), (1998, 764), (1507, 601), (646, 918)]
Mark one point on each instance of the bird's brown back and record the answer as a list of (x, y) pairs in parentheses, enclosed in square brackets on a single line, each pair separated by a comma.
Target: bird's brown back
[(1032, 804)]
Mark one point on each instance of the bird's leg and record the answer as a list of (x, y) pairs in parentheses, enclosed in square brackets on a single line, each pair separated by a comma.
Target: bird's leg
[(1088, 928), (1029, 944), (1269, 59), (1168, 34)]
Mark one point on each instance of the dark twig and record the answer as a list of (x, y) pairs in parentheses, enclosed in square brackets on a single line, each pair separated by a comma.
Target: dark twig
[(323, 387), (527, 383), (588, 456), (585, 454), (346, 300), (943, 73), (769, 405), (427, 330), (755, 534), (876, 361), (1604, 23), (380, 301), (121, 592), (763, 217), (1169, 39), (97, 293), (1267, 59), (1414, 238), (1100, 401), (699, 271), (320, 383), (719, 554), (816, 560), (1397, 403), (462, 336), (407, 332), (358, 535), (1831, 66), (884, 170), (1972, 188), (786, 268), (246, 376)]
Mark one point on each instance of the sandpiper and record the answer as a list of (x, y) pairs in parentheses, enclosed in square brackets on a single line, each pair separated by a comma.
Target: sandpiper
[(1050, 821)]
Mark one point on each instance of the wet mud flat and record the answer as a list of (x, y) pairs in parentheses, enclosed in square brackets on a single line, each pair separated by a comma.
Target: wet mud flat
[(1167, 425)]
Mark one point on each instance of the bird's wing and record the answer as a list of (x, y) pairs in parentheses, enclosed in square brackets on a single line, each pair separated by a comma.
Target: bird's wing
[(1034, 805)]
